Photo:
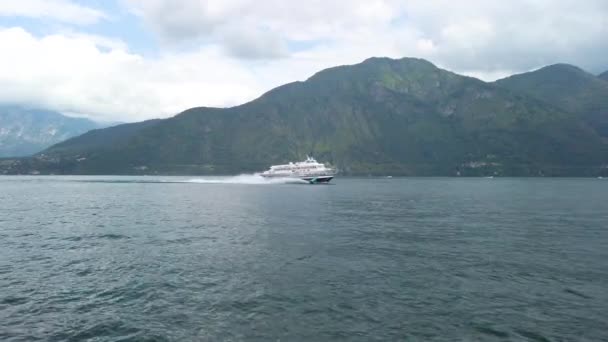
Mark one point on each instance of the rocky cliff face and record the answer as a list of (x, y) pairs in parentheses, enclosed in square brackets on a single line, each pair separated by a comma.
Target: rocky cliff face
[(27, 131)]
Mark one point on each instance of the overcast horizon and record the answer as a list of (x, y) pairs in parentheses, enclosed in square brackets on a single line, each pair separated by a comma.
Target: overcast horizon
[(130, 60)]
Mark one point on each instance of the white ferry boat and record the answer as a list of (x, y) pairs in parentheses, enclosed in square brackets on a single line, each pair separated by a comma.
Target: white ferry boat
[(309, 170)]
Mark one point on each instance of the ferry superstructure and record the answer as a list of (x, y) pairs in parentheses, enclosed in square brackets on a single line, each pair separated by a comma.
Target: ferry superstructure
[(308, 170)]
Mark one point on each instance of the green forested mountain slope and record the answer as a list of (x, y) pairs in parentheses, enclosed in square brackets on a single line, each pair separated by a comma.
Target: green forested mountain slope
[(568, 88), (382, 116)]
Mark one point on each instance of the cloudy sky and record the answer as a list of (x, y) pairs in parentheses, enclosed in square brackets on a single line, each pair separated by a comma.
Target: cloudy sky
[(130, 60)]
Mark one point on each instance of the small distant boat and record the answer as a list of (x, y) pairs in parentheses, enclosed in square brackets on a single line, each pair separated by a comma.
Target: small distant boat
[(308, 170)]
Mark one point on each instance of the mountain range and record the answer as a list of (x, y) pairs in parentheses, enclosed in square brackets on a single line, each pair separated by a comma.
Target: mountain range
[(26, 131), (382, 116)]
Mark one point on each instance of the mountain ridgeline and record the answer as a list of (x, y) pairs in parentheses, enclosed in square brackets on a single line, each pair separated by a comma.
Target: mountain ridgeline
[(568, 88), (379, 117)]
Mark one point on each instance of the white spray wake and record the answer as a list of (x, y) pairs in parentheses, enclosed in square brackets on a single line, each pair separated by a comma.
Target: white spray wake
[(245, 179)]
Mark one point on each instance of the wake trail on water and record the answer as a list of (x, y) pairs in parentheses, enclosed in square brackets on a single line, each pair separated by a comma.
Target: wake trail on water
[(245, 179), (240, 179)]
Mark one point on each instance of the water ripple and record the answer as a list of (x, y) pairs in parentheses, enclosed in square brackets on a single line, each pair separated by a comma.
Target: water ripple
[(159, 259)]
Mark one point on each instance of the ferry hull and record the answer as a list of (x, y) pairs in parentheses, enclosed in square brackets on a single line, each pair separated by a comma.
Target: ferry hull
[(321, 179), (310, 179)]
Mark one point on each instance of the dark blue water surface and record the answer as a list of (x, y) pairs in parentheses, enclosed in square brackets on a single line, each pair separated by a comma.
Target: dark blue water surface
[(215, 259)]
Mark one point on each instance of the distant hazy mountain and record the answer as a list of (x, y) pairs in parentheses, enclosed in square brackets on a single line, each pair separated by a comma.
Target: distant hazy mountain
[(603, 75), (26, 131), (382, 116)]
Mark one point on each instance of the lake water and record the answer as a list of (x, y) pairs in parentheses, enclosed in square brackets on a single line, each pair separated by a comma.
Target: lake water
[(211, 259)]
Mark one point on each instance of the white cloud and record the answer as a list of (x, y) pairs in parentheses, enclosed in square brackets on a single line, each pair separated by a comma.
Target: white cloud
[(492, 36), (470, 34), (89, 76), (225, 52), (255, 44), (60, 10), (229, 22), (76, 76)]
